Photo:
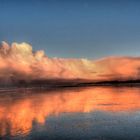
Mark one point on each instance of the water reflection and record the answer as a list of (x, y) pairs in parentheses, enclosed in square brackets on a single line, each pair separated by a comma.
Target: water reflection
[(20, 111)]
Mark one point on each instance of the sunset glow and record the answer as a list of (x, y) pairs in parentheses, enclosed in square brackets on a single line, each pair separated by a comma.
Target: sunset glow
[(70, 69), (20, 62), (19, 115)]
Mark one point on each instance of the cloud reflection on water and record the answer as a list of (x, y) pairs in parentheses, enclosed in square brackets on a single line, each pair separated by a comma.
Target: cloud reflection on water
[(18, 111)]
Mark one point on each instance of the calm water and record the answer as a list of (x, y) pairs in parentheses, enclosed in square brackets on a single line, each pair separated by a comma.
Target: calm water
[(102, 113)]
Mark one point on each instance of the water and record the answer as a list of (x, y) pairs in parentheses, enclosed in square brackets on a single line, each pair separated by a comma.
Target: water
[(92, 113)]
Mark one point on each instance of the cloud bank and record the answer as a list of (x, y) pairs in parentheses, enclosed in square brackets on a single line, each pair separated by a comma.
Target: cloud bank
[(20, 62)]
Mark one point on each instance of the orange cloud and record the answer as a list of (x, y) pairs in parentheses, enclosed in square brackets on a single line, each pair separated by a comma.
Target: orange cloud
[(20, 62)]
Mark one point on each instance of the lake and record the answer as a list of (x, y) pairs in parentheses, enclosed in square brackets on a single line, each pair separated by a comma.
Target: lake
[(90, 113)]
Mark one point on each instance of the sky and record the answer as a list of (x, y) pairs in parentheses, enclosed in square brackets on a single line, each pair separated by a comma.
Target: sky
[(73, 28)]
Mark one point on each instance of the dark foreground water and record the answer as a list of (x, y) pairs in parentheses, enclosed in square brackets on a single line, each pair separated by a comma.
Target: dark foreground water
[(97, 113)]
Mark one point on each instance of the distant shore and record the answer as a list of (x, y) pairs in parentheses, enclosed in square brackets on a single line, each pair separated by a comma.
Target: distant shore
[(57, 84)]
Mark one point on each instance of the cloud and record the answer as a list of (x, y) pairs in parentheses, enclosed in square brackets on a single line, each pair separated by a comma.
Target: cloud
[(20, 62)]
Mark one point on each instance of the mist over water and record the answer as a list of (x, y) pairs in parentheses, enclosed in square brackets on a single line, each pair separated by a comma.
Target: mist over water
[(91, 113)]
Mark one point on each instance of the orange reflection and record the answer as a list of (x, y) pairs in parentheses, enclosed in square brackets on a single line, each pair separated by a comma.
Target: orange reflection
[(17, 114)]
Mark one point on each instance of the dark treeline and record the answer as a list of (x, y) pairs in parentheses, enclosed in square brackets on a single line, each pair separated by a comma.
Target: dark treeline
[(67, 83)]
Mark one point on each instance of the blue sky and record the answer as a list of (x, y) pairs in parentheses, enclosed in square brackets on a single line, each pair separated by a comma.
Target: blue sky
[(73, 28)]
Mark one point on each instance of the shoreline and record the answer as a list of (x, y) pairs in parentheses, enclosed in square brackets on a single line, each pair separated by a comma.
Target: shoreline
[(56, 86)]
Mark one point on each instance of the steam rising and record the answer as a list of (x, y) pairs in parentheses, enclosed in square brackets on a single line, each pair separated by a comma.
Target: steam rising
[(20, 62)]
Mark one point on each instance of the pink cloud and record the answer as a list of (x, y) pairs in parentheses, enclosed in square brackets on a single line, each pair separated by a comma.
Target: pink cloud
[(20, 62)]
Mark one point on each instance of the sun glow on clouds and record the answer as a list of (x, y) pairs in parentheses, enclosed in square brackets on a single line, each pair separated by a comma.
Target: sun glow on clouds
[(19, 61)]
